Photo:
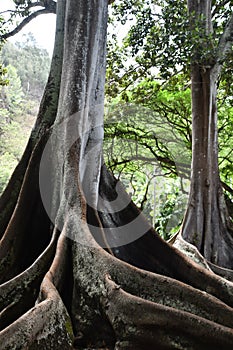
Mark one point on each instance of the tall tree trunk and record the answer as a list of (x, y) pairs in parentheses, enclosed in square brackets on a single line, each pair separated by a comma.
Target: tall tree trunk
[(46, 117), (206, 223), (61, 289)]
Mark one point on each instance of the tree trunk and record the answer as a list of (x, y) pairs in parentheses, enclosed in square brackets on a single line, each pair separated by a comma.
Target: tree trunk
[(45, 119), (206, 223), (76, 272)]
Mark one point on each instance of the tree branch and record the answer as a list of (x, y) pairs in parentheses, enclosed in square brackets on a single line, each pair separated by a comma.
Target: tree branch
[(25, 22), (227, 188), (225, 42), (43, 3), (34, 4)]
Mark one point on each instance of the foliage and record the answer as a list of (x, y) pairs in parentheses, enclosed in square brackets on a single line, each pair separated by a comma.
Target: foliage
[(7, 164), (24, 63), (170, 215), (3, 80), (13, 132), (153, 40), (154, 129), (225, 120), (143, 147), (151, 69), (31, 62), (11, 95)]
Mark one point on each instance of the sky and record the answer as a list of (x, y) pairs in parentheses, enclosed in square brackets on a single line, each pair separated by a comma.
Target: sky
[(43, 28)]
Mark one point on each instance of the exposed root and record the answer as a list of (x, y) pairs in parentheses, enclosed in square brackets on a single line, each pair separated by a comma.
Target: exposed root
[(20, 293), (159, 326), (28, 232), (46, 325), (191, 251), (221, 271)]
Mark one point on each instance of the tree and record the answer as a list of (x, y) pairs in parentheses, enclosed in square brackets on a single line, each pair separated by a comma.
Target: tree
[(203, 40), (155, 132), (37, 60), (87, 271), (20, 100), (207, 223), (14, 127)]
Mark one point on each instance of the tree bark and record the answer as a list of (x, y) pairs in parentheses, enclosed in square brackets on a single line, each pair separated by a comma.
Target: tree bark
[(85, 278), (206, 223)]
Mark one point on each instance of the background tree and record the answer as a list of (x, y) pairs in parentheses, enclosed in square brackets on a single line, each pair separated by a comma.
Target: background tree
[(58, 281), (171, 47), (207, 223), (11, 99), (160, 136), (2, 70), (20, 100), (31, 62)]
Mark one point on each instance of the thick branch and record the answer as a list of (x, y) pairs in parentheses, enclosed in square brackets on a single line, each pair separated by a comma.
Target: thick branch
[(26, 21), (225, 42)]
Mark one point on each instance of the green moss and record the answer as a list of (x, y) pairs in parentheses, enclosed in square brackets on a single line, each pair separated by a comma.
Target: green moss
[(69, 328)]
